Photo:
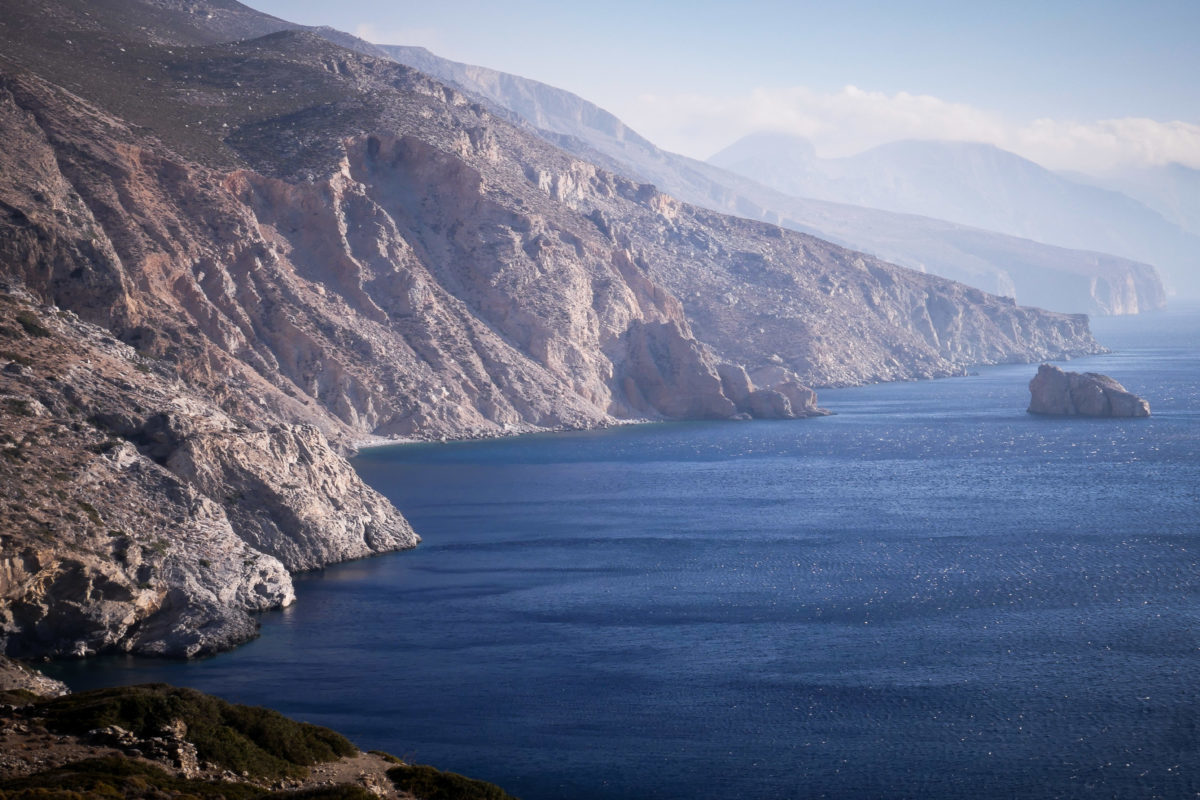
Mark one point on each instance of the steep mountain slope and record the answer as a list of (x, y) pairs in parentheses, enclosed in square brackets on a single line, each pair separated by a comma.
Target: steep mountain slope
[(276, 241), (1035, 274), (978, 185)]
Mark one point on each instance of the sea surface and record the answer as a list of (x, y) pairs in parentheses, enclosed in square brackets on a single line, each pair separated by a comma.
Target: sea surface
[(931, 594)]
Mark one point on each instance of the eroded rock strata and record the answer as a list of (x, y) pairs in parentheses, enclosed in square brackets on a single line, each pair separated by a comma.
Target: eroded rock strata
[(137, 516), (1056, 392), (275, 247)]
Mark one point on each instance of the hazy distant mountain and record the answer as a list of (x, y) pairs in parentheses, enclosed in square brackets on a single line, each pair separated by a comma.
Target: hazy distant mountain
[(979, 185), (1036, 274), (1172, 190)]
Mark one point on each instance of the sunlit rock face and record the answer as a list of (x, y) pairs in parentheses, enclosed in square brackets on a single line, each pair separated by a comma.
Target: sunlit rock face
[(138, 516), (1087, 394)]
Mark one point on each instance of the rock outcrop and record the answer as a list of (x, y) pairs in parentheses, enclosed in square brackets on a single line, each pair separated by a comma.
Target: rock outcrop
[(139, 517), (16, 677), (1087, 394)]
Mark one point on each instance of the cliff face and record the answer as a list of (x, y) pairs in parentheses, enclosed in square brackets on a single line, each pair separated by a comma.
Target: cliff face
[(452, 276), (400, 294), (773, 300), (139, 517), (16, 677), (279, 244)]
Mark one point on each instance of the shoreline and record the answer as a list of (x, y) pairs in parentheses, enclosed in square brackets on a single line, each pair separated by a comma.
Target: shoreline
[(374, 442), (366, 442)]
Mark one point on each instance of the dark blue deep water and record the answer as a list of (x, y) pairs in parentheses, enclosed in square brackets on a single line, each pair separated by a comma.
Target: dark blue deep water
[(930, 595)]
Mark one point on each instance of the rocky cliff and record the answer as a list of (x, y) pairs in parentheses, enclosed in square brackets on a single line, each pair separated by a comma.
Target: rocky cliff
[(17, 677), (137, 516), (276, 244)]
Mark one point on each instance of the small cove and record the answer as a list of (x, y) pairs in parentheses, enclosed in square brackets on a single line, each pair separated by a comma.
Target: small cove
[(931, 594)]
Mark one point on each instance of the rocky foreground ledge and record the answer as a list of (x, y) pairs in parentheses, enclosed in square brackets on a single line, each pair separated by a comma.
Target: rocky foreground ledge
[(159, 741), (1056, 392)]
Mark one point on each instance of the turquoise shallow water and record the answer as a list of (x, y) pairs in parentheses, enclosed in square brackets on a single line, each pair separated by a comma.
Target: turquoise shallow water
[(931, 594)]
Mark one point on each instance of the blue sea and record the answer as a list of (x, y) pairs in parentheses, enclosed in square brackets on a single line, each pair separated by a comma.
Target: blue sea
[(931, 594)]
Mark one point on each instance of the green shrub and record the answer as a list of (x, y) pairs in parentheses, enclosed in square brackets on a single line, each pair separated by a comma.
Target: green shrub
[(426, 783), (90, 510), (18, 697), (256, 741), (31, 325)]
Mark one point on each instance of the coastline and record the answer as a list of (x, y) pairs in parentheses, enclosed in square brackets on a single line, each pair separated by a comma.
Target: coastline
[(1009, 378), (373, 442)]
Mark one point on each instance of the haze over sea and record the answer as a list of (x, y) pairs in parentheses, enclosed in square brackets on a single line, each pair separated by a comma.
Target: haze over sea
[(931, 594)]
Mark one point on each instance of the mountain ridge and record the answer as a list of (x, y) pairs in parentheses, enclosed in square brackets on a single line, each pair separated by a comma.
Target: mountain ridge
[(1036, 274), (974, 184), (1173, 190)]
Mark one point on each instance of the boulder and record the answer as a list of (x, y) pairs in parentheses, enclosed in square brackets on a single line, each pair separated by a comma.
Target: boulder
[(1088, 394)]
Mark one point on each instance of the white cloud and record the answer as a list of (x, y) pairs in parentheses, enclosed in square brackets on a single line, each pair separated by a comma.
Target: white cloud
[(1106, 144), (852, 120)]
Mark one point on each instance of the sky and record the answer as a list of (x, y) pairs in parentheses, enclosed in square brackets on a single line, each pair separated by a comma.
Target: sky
[(1090, 86)]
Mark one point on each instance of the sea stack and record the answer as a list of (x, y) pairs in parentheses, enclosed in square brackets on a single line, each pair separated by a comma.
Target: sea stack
[(1085, 394)]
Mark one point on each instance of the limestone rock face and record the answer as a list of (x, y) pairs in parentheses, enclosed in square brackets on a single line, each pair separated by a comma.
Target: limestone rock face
[(1088, 394), (406, 263), (288, 494), (139, 517)]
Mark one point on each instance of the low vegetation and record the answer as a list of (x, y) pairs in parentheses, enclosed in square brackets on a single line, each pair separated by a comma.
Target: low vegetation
[(254, 742), (31, 325), (427, 783), (17, 697), (125, 778)]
